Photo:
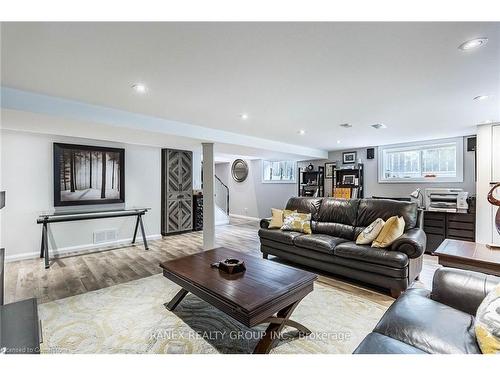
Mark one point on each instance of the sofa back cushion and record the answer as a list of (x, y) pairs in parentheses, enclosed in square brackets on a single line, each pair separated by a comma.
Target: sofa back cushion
[(304, 205), (336, 217), (372, 209)]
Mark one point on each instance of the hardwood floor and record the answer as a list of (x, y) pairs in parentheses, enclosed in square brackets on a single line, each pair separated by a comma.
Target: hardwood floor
[(76, 274)]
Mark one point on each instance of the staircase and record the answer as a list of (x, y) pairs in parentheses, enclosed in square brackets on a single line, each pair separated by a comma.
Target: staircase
[(221, 202)]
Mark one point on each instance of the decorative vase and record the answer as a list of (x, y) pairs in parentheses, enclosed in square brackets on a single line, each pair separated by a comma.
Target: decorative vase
[(495, 202)]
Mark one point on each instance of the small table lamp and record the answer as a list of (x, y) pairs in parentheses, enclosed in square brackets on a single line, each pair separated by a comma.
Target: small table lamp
[(417, 194)]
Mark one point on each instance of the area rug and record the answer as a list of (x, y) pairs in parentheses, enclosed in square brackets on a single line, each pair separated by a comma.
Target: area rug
[(131, 318)]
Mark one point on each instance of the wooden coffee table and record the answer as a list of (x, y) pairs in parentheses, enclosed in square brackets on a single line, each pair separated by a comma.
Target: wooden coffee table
[(469, 256), (267, 292)]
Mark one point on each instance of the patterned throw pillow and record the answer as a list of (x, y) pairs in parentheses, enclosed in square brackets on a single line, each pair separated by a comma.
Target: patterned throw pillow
[(487, 324), (277, 219), (297, 223), (393, 228), (370, 233)]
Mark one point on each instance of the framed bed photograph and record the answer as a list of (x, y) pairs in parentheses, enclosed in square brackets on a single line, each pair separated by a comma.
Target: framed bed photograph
[(88, 175), (349, 157)]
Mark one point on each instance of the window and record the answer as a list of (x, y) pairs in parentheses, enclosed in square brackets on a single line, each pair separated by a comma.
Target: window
[(437, 161), (278, 171)]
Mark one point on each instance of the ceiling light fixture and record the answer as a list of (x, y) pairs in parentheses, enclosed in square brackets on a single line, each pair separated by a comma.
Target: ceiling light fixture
[(301, 132), (338, 141), (345, 125), (244, 116), (473, 43), (140, 88), (378, 126), (481, 97)]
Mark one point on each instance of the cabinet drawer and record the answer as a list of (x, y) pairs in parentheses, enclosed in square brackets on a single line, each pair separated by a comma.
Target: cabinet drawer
[(434, 230), (464, 218), (460, 234), (459, 225)]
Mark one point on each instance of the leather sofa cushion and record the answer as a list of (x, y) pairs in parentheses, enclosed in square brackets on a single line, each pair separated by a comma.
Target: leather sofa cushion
[(375, 343), (429, 325), (327, 258), (366, 253), (336, 217), (318, 242), (304, 205), (278, 235), (371, 209)]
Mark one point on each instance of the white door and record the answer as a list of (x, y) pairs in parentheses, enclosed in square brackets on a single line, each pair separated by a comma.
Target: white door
[(495, 176)]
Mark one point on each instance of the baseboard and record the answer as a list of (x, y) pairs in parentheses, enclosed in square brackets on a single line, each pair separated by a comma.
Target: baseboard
[(245, 217), (80, 249)]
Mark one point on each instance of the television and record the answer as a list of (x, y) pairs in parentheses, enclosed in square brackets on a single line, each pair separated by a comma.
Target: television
[(88, 175)]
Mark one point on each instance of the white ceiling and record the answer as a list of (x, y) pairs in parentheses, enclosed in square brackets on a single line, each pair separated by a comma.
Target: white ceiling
[(286, 76)]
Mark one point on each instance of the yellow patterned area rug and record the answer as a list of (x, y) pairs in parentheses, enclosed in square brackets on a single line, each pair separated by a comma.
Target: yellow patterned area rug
[(131, 318)]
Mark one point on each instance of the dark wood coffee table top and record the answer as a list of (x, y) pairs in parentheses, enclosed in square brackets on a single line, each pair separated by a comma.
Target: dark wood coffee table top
[(262, 282), (469, 255)]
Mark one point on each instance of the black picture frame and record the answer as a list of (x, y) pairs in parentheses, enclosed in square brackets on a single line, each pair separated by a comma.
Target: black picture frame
[(349, 157), (58, 151), (329, 170)]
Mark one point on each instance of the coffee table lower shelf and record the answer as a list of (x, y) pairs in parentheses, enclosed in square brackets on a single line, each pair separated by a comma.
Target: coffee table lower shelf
[(276, 323)]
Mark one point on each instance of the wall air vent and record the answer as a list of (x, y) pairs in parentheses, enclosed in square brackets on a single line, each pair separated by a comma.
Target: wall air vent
[(103, 236)]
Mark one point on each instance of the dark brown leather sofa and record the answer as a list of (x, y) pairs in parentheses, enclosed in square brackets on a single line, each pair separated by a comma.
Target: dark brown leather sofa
[(331, 247), (437, 322)]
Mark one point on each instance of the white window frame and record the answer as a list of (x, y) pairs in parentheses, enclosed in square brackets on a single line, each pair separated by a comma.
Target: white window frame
[(294, 181), (458, 141)]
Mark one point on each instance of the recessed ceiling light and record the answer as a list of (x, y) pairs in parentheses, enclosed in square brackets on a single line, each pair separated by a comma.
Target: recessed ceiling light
[(481, 97), (378, 126), (473, 43), (345, 125), (338, 141), (140, 88), (301, 132), (244, 116)]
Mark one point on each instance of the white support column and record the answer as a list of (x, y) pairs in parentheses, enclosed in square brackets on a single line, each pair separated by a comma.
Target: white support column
[(208, 196)]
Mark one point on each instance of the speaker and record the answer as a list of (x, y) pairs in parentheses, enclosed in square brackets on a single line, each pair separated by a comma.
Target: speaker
[(370, 153), (471, 144)]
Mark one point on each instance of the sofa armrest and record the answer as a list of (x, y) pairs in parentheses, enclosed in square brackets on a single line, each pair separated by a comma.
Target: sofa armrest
[(412, 243), (264, 223), (461, 289)]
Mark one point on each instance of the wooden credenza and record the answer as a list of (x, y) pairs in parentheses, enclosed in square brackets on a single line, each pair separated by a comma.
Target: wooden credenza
[(439, 226)]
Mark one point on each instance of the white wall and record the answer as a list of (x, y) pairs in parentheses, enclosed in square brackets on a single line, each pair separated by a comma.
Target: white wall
[(252, 197), (374, 188), (27, 177)]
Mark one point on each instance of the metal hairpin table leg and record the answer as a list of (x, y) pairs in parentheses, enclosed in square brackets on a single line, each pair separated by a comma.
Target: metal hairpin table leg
[(136, 227), (143, 233), (46, 245)]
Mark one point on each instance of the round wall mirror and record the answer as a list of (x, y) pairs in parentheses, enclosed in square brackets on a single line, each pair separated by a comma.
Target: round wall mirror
[(239, 170)]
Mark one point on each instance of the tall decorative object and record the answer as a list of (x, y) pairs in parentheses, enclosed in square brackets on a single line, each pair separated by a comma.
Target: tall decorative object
[(177, 191), (495, 202)]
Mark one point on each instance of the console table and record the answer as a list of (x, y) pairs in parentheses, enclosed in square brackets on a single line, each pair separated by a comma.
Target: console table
[(46, 219)]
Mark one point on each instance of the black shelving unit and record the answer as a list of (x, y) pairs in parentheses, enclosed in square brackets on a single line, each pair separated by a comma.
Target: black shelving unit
[(353, 173), (311, 182)]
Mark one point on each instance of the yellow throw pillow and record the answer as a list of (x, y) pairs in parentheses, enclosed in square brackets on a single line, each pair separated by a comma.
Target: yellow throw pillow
[(393, 228), (297, 223), (370, 233), (277, 218), (487, 323)]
